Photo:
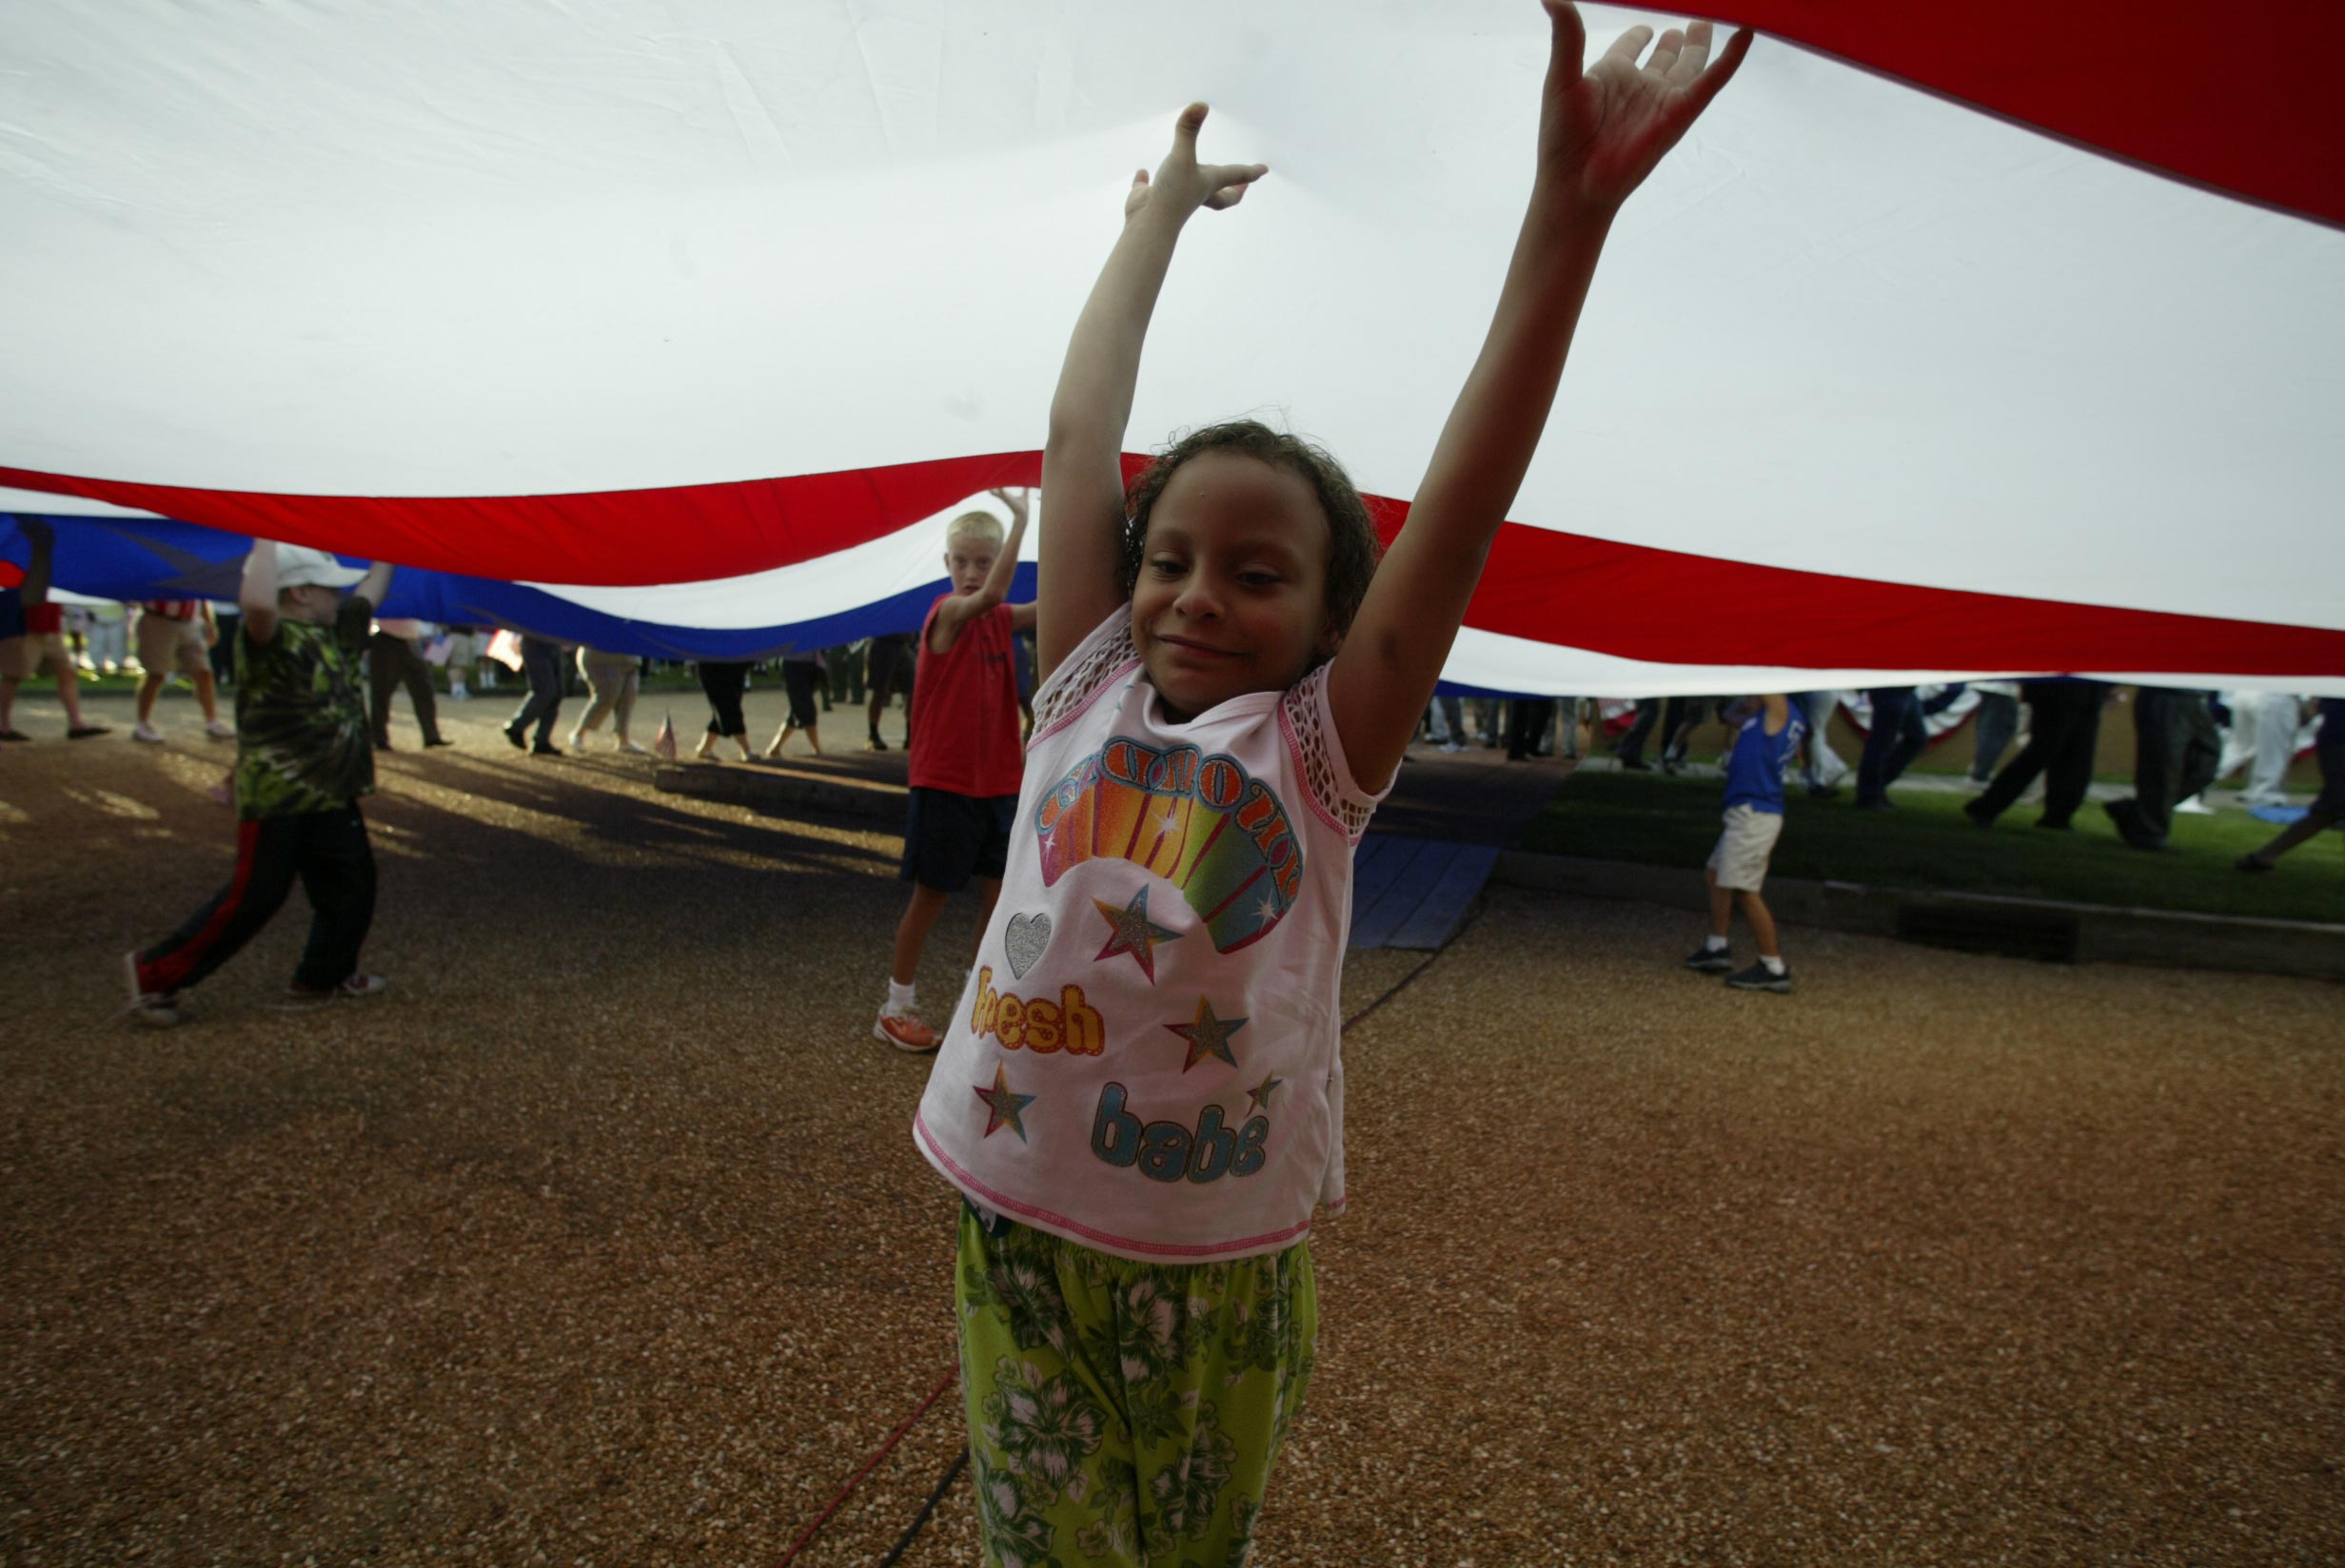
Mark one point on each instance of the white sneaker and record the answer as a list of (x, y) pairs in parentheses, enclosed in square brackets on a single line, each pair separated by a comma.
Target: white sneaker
[(578, 740), (2196, 806), (146, 733), (633, 749), (219, 728)]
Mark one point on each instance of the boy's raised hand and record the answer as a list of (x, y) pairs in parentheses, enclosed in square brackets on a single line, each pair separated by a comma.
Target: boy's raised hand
[(1183, 184), (1603, 128), (1018, 500)]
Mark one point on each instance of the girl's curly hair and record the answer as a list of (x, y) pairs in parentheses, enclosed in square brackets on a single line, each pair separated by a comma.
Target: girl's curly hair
[(1353, 548)]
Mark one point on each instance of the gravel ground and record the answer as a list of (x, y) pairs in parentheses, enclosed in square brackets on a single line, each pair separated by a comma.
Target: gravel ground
[(599, 1239)]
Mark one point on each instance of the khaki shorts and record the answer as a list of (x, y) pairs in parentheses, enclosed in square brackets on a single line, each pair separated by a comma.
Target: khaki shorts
[(165, 645), (1740, 858), (21, 657)]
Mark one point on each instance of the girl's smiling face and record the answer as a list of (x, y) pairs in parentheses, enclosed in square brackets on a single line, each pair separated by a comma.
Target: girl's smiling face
[(1232, 591)]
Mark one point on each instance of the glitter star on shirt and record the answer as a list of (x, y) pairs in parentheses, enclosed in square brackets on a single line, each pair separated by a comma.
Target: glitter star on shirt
[(1002, 1107), (1130, 930), (1208, 1035), (1258, 1097)]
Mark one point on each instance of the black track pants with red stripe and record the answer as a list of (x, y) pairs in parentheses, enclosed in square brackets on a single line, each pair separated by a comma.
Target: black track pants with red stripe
[(329, 852)]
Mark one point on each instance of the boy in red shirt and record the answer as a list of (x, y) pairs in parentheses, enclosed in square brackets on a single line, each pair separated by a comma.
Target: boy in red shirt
[(966, 755)]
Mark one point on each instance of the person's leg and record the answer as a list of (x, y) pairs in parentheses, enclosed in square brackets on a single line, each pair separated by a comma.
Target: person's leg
[(1125, 1412), (799, 681), (948, 839), (2201, 749), (1631, 749), (1722, 906), (69, 690), (1542, 721), (1052, 1464), (1683, 718), (2072, 738), (1911, 739), (206, 695), (2308, 826), (604, 682), (912, 931), (1998, 721), (158, 645), (2017, 775), (1761, 920), (415, 675), (730, 721), (2327, 810), (2276, 717), (1879, 745), (149, 688), (268, 858), (880, 673), (2158, 765), (543, 663), (338, 874), (2238, 731), (516, 728), (707, 673), (382, 679), (622, 706), (221, 656)]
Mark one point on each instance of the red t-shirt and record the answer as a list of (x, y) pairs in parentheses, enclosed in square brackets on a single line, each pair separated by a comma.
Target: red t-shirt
[(965, 735), (41, 619)]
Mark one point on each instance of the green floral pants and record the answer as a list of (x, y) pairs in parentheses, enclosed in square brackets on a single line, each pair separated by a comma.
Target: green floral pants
[(1121, 1412)]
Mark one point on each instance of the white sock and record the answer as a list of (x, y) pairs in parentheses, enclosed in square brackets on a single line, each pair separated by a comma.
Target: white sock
[(901, 998), (1716, 944), (1775, 966)]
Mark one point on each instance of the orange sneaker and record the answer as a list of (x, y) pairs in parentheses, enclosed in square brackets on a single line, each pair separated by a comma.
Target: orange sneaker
[(905, 1031)]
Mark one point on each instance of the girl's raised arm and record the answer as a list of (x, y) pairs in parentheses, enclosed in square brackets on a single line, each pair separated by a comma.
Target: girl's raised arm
[(1600, 131), (1082, 457)]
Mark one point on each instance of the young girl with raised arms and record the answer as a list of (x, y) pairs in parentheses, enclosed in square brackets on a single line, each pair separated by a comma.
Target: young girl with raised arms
[(1139, 1094)]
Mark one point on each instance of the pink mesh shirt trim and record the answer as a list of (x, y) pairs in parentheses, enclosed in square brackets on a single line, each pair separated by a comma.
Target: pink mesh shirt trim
[(1096, 666), (1302, 718)]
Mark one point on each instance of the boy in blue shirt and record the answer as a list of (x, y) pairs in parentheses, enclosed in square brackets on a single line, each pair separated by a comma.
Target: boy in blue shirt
[(1768, 739)]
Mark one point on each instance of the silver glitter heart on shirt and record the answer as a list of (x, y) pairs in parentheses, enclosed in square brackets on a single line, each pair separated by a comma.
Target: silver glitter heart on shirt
[(1024, 941)]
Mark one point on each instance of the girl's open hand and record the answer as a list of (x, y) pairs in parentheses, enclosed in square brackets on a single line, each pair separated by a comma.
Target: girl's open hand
[(1604, 127), (1185, 184)]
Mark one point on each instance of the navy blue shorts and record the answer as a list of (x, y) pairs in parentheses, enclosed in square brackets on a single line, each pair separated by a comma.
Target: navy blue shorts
[(950, 838)]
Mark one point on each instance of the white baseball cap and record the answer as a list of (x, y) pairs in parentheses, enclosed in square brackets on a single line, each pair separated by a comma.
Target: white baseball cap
[(297, 566)]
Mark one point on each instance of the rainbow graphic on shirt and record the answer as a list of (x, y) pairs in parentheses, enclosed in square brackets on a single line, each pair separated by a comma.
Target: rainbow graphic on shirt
[(1202, 823)]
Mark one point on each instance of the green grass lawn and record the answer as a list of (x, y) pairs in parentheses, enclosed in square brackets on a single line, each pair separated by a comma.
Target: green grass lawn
[(1927, 843)]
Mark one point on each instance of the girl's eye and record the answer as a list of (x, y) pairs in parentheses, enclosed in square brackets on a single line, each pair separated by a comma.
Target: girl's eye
[(1165, 566), (1259, 579)]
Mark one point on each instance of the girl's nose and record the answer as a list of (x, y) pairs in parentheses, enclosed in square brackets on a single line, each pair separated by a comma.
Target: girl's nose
[(1199, 600)]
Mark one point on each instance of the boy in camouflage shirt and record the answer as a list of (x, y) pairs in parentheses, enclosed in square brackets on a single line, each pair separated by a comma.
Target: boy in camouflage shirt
[(303, 759)]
